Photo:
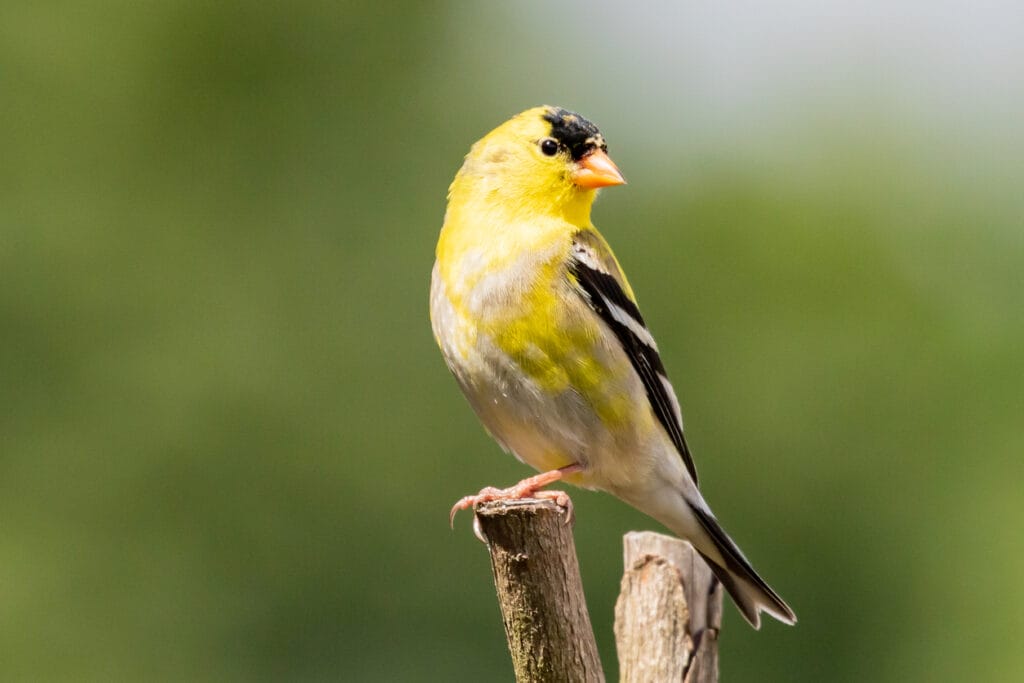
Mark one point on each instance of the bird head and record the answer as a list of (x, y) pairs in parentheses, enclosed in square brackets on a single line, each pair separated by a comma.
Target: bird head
[(546, 160)]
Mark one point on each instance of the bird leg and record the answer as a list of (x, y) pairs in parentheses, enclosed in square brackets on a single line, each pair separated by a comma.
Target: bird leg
[(525, 489)]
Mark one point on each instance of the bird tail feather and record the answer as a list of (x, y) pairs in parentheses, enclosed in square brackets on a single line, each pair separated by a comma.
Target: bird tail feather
[(748, 590)]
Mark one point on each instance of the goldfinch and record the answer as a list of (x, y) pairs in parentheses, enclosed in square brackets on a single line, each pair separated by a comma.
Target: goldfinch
[(538, 324)]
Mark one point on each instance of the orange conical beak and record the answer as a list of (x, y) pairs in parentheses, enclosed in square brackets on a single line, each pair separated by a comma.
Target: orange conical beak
[(597, 170)]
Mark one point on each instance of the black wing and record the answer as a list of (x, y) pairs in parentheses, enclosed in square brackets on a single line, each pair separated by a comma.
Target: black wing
[(603, 292)]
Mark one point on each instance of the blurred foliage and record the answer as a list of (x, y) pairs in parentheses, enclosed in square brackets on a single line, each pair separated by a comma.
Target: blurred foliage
[(228, 444)]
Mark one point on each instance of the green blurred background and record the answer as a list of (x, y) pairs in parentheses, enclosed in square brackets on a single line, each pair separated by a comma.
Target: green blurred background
[(228, 444)]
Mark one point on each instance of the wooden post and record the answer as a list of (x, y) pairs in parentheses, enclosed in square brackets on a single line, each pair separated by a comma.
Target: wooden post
[(668, 614), (667, 617), (540, 593)]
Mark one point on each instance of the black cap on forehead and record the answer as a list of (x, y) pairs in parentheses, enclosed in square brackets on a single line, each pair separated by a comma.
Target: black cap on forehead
[(575, 132)]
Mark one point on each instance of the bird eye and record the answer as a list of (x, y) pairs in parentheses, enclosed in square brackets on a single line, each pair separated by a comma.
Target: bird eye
[(549, 147)]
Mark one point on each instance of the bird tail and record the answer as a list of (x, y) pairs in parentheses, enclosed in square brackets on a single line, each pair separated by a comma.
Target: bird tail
[(748, 590)]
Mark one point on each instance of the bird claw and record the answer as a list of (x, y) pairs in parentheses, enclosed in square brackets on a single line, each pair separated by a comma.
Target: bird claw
[(489, 494), (478, 530), (525, 489), (486, 495), (562, 500)]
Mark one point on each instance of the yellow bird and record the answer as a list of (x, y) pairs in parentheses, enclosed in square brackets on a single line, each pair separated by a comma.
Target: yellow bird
[(538, 324)]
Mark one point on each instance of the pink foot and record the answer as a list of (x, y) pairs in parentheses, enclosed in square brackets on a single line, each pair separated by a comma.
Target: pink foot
[(527, 488)]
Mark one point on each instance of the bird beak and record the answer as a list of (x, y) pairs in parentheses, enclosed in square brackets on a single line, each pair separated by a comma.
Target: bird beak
[(596, 170)]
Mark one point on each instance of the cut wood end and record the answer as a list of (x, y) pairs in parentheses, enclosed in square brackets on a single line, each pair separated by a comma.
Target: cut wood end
[(503, 507)]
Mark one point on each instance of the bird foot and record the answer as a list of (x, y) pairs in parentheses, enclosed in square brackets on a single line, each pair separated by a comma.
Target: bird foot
[(527, 488)]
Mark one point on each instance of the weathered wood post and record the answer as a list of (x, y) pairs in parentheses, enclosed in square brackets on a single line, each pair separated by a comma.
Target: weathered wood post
[(668, 614), (540, 593), (667, 617)]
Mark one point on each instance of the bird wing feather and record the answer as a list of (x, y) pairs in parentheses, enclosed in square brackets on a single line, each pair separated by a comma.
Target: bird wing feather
[(601, 283)]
